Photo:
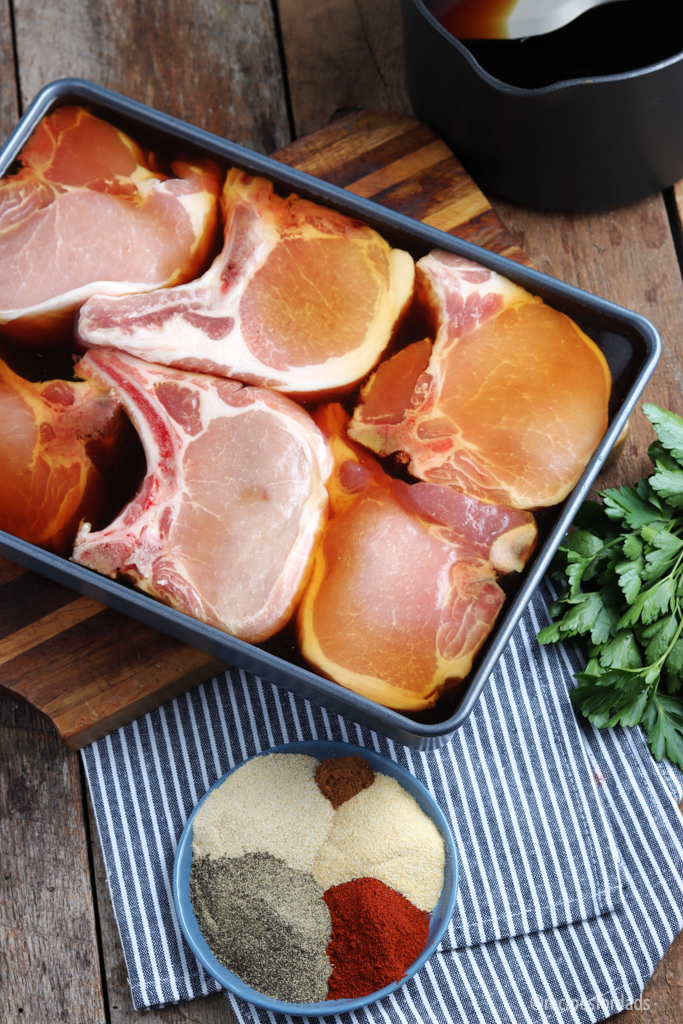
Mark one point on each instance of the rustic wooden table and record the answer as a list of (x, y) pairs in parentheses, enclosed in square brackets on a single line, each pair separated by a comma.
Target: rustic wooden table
[(262, 74)]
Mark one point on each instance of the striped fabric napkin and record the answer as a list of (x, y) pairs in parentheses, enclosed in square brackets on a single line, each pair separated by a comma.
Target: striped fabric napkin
[(570, 840)]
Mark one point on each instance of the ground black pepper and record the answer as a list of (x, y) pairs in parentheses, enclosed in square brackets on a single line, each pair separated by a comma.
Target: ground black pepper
[(265, 922)]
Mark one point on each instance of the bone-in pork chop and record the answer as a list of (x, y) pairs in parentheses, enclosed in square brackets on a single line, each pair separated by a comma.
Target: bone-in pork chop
[(88, 213), (225, 521), (49, 482), (510, 403), (403, 591), (301, 299)]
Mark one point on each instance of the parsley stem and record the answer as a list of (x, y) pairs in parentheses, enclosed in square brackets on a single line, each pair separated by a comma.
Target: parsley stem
[(644, 669), (667, 652), (653, 690)]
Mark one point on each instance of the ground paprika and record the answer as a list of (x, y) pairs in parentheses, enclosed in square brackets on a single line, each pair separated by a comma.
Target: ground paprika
[(376, 935), (340, 778)]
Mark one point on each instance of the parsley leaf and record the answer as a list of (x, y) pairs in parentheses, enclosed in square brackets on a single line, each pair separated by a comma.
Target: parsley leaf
[(629, 710), (661, 555), (660, 636), (591, 516), (621, 652), (630, 577), (668, 483), (665, 728), (622, 569), (660, 457), (669, 429), (625, 503), (633, 546), (673, 666)]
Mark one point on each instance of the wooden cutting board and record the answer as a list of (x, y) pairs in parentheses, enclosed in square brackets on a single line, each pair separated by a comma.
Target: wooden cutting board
[(89, 669)]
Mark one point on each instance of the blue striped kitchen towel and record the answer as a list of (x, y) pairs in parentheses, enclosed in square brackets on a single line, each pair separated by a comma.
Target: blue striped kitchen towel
[(570, 839)]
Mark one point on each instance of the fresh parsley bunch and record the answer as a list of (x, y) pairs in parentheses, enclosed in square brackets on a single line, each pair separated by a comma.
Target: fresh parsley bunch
[(623, 571)]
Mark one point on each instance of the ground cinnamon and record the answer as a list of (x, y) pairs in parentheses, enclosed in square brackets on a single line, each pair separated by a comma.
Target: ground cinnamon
[(340, 778), (376, 935)]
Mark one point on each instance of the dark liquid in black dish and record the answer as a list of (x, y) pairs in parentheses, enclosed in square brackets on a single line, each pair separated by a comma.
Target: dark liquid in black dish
[(608, 40)]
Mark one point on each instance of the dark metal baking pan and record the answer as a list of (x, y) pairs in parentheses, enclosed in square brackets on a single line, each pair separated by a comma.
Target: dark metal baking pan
[(630, 343)]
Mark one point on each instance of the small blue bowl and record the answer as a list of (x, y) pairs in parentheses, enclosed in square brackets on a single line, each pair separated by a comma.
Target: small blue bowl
[(441, 915)]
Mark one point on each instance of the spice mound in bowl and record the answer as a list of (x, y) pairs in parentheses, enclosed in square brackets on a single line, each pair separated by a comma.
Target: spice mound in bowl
[(340, 778), (309, 875)]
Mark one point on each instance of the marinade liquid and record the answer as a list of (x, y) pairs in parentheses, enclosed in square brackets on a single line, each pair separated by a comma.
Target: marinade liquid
[(607, 40)]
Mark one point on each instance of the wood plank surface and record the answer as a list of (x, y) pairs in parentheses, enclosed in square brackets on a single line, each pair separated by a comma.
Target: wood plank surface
[(9, 106), (213, 62), (86, 668), (663, 995), (341, 54), (402, 164), (49, 947), (49, 959)]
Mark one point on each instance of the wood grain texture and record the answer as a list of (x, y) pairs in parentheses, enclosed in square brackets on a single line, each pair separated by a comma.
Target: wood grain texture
[(402, 164), (212, 62), (9, 107), (37, 632), (678, 199), (628, 256), (86, 668), (49, 964), (662, 1001), (342, 53), (213, 1009)]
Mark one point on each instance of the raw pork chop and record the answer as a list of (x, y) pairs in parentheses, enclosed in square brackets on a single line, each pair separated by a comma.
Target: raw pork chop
[(509, 405), (403, 592), (301, 299), (48, 479), (87, 213), (225, 521)]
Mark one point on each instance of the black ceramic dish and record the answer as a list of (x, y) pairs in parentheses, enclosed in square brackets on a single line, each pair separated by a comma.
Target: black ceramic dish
[(630, 343), (586, 143)]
